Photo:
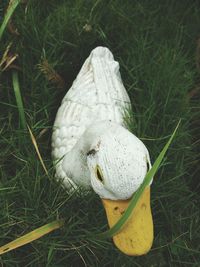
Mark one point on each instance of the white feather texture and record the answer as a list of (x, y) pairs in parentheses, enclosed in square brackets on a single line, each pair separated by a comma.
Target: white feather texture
[(90, 118)]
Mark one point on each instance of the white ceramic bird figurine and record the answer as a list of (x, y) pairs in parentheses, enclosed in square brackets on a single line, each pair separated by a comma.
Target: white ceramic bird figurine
[(93, 149)]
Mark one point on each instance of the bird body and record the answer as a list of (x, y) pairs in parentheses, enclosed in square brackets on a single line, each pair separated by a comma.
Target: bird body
[(97, 94), (92, 148)]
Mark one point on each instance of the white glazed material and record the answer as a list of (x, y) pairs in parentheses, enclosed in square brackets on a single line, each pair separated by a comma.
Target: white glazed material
[(90, 118)]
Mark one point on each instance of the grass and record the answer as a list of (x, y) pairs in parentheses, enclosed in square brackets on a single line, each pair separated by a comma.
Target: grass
[(156, 46)]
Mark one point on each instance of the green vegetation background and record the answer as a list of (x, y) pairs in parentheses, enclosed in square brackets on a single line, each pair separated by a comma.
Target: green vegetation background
[(156, 44)]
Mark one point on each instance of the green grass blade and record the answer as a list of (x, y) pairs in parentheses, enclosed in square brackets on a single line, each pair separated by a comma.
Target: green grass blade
[(11, 8), (116, 228), (18, 97), (33, 235)]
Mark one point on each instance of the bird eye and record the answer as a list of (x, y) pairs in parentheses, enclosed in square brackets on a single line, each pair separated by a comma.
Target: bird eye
[(148, 166), (99, 174)]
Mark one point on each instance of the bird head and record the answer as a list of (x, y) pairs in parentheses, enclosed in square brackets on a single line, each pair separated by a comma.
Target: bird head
[(118, 162)]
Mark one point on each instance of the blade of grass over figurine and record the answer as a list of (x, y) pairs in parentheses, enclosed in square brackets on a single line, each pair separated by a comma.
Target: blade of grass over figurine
[(138, 194)]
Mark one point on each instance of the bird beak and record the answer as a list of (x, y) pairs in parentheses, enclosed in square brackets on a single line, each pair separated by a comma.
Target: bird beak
[(135, 238)]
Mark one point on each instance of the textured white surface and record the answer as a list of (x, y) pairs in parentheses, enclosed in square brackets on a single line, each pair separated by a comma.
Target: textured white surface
[(91, 117)]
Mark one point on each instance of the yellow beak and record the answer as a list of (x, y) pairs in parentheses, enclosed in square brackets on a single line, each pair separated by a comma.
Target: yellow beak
[(136, 236)]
